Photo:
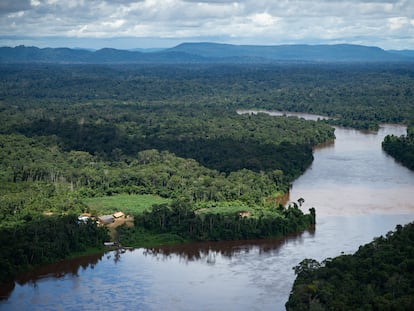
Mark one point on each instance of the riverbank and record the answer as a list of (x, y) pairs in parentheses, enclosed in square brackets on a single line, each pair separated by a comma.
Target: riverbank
[(219, 275), (45, 239), (260, 272), (379, 276)]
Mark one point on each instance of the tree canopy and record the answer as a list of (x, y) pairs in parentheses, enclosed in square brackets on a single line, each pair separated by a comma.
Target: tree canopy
[(69, 133), (379, 276)]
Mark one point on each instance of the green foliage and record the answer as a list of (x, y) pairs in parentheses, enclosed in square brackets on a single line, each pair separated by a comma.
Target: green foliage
[(42, 239), (127, 203), (220, 140), (18, 200), (226, 208), (71, 176), (223, 223), (401, 148), (72, 134), (379, 276), (361, 95), (74, 139), (139, 237)]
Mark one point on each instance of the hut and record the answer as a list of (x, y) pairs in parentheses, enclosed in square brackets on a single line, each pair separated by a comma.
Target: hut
[(84, 217), (106, 219), (119, 215)]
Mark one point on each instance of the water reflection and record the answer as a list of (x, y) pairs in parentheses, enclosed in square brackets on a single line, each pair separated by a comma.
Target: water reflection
[(57, 270), (60, 269), (203, 252), (6, 289), (115, 255), (241, 275), (207, 251)]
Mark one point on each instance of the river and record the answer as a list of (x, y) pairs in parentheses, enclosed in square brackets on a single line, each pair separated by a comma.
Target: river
[(358, 191)]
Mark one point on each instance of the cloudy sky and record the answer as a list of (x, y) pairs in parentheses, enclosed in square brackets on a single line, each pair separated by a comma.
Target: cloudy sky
[(129, 24)]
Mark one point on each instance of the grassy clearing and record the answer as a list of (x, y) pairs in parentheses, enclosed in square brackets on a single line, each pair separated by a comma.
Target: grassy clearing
[(235, 207), (129, 204), (225, 208)]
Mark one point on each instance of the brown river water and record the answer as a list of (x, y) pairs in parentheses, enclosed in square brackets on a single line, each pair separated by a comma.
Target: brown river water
[(358, 191)]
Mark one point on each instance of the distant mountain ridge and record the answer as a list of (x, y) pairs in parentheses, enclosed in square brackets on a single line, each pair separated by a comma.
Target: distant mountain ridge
[(205, 52), (409, 53), (324, 53), (23, 54)]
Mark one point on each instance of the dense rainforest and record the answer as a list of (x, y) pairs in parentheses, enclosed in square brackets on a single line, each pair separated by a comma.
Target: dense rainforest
[(379, 276), (358, 95), (69, 133)]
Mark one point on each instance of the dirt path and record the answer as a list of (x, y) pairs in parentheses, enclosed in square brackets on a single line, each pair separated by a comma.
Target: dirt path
[(128, 221)]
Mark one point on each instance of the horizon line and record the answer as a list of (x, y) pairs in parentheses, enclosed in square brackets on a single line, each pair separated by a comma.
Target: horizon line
[(136, 49)]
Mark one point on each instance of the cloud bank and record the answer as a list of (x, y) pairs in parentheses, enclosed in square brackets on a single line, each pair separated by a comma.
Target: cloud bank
[(385, 23)]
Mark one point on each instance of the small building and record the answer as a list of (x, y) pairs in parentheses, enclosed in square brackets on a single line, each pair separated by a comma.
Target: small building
[(119, 215), (106, 219), (83, 218)]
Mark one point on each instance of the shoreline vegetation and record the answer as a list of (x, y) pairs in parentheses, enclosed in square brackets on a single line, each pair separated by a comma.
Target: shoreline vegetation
[(72, 134), (379, 276), (401, 148), (233, 195)]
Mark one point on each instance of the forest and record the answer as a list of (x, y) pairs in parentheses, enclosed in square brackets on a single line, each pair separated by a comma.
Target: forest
[(379, 276), (69, 133)]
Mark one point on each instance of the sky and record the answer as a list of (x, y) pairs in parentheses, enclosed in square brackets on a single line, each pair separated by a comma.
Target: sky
[(127, 24)]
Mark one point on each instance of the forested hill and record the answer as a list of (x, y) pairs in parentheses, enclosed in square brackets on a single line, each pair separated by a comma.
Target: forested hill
[(206, 53)]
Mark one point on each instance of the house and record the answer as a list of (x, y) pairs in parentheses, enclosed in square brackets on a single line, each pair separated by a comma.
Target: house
[(84, 217), (119, 215), (106, 219)]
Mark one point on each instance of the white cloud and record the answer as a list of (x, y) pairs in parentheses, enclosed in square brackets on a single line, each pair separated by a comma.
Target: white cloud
[(396, 23), (263, 19), (34, 2), (243, 21)]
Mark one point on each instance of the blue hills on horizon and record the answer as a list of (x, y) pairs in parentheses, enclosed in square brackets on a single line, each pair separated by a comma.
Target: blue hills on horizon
[(206, 52)]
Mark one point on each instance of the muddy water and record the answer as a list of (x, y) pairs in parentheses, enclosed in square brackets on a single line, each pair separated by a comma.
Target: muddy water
[(354, 176), (359, 193)]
